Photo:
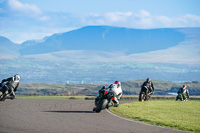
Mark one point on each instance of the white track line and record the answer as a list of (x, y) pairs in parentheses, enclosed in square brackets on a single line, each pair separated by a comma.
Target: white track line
[(142, 122)]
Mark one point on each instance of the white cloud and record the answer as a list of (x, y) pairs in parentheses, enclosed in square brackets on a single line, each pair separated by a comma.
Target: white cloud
[(189, 19), (142, 19), (161, 21), (21, 18), (144, 13), (117, 16), (24, 8)]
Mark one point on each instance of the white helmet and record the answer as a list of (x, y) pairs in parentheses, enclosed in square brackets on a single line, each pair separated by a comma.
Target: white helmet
[(16, 77), (184, 87)]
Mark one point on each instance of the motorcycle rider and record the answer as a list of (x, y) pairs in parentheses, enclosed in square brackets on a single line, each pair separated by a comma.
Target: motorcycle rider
[(11, 85), (184, 92), (116, 88), (149, 85)]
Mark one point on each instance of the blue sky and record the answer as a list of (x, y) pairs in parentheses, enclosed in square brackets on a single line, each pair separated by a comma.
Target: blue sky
[(22, 20)]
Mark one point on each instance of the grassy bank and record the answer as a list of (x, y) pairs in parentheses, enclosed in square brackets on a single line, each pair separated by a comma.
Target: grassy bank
[(169, 113)]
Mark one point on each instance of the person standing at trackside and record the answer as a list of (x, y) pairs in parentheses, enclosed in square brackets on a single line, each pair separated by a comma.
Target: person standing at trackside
[(149, 85), (11, 85), (116, 88), (183, 93)]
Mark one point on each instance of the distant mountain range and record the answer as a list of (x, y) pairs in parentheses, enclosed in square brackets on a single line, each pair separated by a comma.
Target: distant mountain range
[(94, 53), (8, 47), (104, 38)]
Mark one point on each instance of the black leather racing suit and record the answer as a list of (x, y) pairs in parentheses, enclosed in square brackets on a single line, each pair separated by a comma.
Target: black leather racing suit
[(10, 86)]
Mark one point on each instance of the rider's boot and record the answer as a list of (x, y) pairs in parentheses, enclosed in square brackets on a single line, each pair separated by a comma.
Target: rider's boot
[(3, 97), (109, 105), (94, 109)]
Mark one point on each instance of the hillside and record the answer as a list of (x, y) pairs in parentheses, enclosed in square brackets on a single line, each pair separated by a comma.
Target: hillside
[(105, 38), (8, 48), (101, 54), (129, 88)]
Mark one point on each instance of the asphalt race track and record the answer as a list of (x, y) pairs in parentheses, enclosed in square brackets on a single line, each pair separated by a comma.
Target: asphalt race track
[(66, 116)]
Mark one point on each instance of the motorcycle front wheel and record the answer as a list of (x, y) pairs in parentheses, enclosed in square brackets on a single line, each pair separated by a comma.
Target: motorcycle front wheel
[(102, 105), (141, 97), (3, 97)]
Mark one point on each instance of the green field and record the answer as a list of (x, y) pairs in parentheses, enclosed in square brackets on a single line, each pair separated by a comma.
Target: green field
[(129, 88), (169, 113)]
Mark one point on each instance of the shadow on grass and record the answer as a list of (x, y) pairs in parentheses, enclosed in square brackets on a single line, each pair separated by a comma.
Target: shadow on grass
[(69, 111)]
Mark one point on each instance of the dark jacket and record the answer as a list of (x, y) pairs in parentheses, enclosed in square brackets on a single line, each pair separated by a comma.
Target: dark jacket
[(149, 85), (11, 83)]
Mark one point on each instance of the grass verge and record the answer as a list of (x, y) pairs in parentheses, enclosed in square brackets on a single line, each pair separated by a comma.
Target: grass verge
[(168, 113)]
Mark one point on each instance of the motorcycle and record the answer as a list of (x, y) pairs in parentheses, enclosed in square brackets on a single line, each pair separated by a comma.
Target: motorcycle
[(181, 97), (6, 95), (2, 96), (144, 94), (105, 99)]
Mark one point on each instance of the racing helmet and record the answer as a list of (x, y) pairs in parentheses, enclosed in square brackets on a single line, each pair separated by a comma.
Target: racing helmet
[(148, 79), (16, 77), (117, 83), (184, 86)]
